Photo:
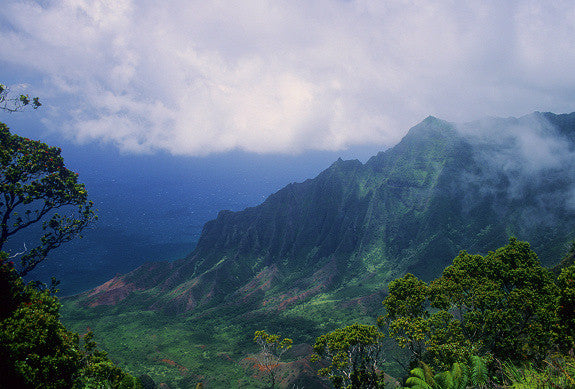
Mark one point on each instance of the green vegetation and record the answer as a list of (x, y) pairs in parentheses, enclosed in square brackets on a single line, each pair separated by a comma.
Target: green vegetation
[(502, 315), (502, 306), (461, 376), (488, 321), (37, 351), (272, 347), (354, 354), (558, 371), (566, 307), (216, 348), (35, 188)]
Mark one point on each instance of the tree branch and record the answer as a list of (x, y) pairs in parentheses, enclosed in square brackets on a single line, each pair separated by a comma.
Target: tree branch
[(20, 253)]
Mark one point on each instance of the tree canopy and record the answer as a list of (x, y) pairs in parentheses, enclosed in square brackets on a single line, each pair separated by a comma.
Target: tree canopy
[(501, 305), (37, 188), (272, 347), (354, 353), (37, 351)]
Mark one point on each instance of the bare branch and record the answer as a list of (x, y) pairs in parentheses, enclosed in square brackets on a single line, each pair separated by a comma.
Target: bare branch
[(20, 253)]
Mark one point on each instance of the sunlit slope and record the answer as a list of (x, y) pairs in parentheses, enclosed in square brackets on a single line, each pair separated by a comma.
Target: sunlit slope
[(442, 189)]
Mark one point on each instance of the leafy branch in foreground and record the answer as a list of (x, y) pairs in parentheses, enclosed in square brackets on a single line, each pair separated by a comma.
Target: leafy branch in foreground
[(37, 351), (36, 187), (461, 376), (557, 372), (15, 104)]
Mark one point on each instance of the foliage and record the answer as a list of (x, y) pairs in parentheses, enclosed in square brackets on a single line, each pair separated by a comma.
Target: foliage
[(14, 104), (407, 316), (566, 308), (462, 375), (557, 372), (272, 347), (207, 348), (34, 186), (36, 350), (501, 305), (421, 377), (355, 354)]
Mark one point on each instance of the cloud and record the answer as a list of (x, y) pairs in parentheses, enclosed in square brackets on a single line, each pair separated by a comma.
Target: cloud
[(198, 77), (523, 147), (526, 159)]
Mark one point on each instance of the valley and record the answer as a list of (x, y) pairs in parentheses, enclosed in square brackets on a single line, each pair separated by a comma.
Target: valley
[(319, 255)]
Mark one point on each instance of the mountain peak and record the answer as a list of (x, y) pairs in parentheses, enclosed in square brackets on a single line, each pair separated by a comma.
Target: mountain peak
[(431, 119), (431, 122), (346, 164), (410, 208), (427, 137)]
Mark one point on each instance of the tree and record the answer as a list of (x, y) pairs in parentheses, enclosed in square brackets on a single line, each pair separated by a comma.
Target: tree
[(14, 104), (272, 347), (501, 305), (566, 308), (354, 353), (35, 186), (37, 351), (407, 316)]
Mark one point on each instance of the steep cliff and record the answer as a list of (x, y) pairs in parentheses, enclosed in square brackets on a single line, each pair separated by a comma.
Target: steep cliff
[(347, 232)]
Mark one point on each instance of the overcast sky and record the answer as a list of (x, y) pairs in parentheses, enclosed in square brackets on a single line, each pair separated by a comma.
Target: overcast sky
[(198, 77)]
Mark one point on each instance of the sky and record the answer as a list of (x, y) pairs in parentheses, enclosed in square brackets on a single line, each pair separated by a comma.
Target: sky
[(194, 78), (189, 107)]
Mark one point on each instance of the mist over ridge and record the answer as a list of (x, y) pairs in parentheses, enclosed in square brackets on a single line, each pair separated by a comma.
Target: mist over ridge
[(531, 157), (413, 207)]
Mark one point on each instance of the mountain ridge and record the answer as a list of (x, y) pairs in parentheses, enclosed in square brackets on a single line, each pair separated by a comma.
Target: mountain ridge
[(357, 226)]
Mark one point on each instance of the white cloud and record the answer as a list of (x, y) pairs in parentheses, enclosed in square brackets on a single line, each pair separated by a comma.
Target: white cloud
[(196, 77)]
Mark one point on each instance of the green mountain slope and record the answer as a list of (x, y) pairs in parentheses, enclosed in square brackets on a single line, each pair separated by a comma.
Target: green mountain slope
[(412, 208), (327, 247)]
